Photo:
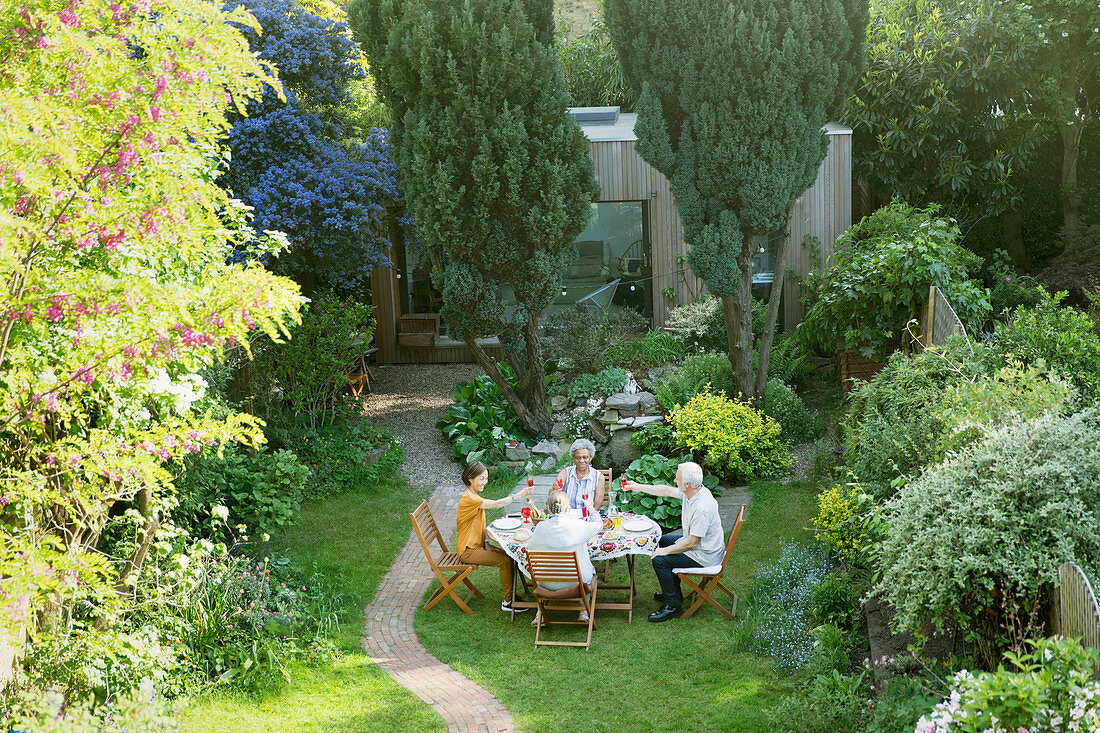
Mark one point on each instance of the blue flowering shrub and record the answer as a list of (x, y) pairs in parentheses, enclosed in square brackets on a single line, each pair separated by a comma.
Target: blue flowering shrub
[(784, 606)]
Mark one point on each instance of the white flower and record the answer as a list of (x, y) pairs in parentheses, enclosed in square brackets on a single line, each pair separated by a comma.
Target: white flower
[(220, 512)]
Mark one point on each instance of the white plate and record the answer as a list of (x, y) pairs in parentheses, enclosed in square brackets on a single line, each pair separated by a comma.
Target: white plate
[(638, 524), (506, 524)]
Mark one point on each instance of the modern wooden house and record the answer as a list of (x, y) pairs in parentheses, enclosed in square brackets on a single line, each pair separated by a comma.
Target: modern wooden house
[(633, 252)]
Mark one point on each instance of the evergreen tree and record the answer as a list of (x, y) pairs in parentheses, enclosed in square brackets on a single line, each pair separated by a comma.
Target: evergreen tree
[(497, 176), (732, 99)]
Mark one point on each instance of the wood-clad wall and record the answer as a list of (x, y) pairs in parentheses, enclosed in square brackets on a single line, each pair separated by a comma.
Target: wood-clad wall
[(624, 176), (825, 211)]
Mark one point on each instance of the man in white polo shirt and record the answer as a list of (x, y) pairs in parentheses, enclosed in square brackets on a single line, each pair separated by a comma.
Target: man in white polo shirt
[(698, 544)]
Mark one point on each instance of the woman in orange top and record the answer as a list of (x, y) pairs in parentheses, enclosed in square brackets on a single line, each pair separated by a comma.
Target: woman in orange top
[(470, 545)]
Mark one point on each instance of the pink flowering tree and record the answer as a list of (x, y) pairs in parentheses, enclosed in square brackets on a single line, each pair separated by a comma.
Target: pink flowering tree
[(117, 290)]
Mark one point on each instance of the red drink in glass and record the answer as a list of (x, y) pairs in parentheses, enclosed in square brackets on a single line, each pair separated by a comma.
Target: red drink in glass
[(526, 512)]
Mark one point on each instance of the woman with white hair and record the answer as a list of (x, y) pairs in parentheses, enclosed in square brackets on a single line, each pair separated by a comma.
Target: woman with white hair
[(580, 479)]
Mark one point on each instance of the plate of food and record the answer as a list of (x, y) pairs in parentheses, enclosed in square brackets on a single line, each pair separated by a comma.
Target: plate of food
[(612, 535), (638, 524), (507, 524)]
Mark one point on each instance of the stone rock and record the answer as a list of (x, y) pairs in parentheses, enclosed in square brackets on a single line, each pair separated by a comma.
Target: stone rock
[(517, 453), (648, 399), (617, 427), (625, 404), (557, 431), (549, 464), (609, 417), (559, 402), (648, 420), (619, 452), (599, 433), (547, 448)]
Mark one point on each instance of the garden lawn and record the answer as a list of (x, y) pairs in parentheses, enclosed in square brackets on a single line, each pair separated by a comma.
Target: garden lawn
[(675, 676), (354, 536)]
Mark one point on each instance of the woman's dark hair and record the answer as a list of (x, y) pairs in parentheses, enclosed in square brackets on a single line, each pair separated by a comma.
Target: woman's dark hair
[(473, 470)]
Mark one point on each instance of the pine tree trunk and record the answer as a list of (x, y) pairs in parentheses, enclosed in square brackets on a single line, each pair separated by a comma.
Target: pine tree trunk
[(532, 420), (769, 322), (738, 312)]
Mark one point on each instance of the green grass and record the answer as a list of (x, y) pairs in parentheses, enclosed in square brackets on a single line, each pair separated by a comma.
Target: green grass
[(676, 676), (355, 537)]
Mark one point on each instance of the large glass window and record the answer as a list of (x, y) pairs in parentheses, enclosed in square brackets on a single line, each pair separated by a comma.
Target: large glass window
[(763, 264), (612, 268)]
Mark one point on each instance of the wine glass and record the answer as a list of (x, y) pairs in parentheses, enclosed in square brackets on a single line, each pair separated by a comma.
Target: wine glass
[(526, 512)]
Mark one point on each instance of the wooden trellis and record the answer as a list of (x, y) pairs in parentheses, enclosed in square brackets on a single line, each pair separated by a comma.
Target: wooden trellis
[(1074, 611)]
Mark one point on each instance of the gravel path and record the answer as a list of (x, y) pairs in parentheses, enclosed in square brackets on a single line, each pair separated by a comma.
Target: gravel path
[(407, 400)]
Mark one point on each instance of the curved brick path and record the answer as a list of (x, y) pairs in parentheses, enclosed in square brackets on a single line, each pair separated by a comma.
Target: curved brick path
[(389, 638)]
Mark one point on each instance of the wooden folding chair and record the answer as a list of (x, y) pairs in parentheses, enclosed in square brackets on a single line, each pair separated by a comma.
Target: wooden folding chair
[(444, 562), (561, 567), (704, 581)]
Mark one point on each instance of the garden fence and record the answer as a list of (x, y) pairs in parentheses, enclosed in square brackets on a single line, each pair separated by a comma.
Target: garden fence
[(1074, 611), (940, 320)]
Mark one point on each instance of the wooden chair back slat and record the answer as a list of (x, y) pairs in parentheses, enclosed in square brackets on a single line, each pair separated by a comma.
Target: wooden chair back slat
[(426, 529), (553, 567), (733, 535), (606, 487)]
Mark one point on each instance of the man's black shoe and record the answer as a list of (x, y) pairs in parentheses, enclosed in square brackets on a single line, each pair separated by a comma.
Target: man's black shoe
[(659, 597), (667, 611)]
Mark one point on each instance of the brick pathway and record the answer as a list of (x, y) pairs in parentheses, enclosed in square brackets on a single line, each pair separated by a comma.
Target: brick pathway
[(391, 642)]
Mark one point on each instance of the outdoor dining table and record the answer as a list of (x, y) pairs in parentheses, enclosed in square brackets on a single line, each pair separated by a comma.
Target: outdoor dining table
[(607, 544)]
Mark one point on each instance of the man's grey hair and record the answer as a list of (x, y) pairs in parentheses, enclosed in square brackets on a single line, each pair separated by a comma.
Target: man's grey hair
[(691, 473), (585, 444)]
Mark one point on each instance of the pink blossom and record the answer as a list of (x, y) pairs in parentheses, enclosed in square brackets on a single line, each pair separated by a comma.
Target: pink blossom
[(17, 176)]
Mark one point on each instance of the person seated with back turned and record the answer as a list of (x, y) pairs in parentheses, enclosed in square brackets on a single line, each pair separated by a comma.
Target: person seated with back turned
[(698, 544), (562, 533), (580, 478)]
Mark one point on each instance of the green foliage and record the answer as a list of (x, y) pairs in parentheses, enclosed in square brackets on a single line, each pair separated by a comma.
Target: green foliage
[(657, 470), (736, 440), (842, 522), (1010, 289), (577, 425), (1042, 689), (702, 322), (677, 387), (307, 371), (497, 175), (606, 383), (796, 423), (479, 422), (589, 340), (262, 490), (1061, 339), (346, 455), (828, 703), (790, 360), (734, 165), (943, 112), (656, 438), (47, 711), (881, 271), (655, 349), (973, 540), (922, 406), (591, 72)]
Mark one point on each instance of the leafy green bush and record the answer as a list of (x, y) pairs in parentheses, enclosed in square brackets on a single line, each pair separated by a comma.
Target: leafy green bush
[(655, 438), (881, 271), (702, 322), (1061, 339), (592, 73), (657, 470), (587, 340), (796, 423), (604, 384), (735, 439), (922, 406), (827, 703), (577, 425), (790, 360), (262, 490), (698, 370), (973, 540), (847, 523), (307, 371), (1010, 289), (346, 455), (479, 422), (657, 348), (1047, 688)]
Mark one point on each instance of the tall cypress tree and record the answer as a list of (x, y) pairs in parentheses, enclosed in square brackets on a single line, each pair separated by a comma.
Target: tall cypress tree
[(733, 95), (497, 175)]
